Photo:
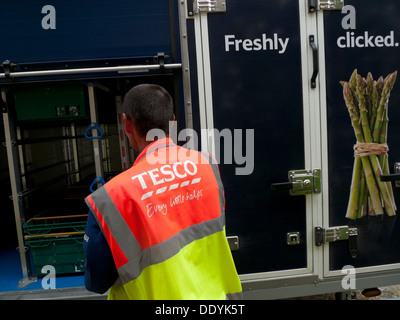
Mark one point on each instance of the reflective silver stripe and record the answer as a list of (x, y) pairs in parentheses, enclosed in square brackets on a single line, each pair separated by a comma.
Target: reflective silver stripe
[(170, 247), (118, 227), (215, 169), (160, 147), (140, 259)]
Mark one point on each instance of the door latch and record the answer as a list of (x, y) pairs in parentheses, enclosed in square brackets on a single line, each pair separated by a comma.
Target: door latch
[(233, 242), (314, 5), (395, 177), (301, 182), (293, 238), (334, 234)]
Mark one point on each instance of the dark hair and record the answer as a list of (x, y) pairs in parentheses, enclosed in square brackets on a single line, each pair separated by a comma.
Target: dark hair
[(150, 107)]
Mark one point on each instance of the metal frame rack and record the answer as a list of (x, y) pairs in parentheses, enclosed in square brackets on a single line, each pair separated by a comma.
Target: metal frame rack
[(69, 137), (67, 171)]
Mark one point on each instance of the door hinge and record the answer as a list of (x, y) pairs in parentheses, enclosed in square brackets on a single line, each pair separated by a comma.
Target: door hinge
[(210, 6), (316, 5), (301, 182), (333, 234)]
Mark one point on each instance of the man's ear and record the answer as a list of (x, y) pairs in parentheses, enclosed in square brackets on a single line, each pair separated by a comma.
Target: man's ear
[(128, 124)]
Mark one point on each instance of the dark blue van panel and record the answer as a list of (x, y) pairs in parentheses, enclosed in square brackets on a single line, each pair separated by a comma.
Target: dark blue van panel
[(84, 30), (345, 51)]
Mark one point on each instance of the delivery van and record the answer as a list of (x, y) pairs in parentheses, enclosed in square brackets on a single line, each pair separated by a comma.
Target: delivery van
[(286, 95)]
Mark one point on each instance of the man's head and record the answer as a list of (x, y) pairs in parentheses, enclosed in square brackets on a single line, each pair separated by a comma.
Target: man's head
[(146, 107)]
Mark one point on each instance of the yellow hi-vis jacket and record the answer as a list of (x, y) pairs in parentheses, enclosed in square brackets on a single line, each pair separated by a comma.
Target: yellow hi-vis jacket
[(164, 221)]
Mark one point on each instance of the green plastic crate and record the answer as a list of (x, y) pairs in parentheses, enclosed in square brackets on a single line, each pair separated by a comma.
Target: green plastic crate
[(65, 254), (56, 241), (49, 102)]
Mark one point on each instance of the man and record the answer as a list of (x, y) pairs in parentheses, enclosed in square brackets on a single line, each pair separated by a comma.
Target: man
[(157, 230)]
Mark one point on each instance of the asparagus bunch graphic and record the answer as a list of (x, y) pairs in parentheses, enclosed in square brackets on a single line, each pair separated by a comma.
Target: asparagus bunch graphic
[(367, 102)]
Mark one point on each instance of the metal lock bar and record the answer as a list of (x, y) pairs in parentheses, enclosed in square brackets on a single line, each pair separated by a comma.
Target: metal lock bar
[(330, 4), (394, 177), (397, 170), (314, 5), (305, 181), (301, 182), (339, 233), (333, 234)]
